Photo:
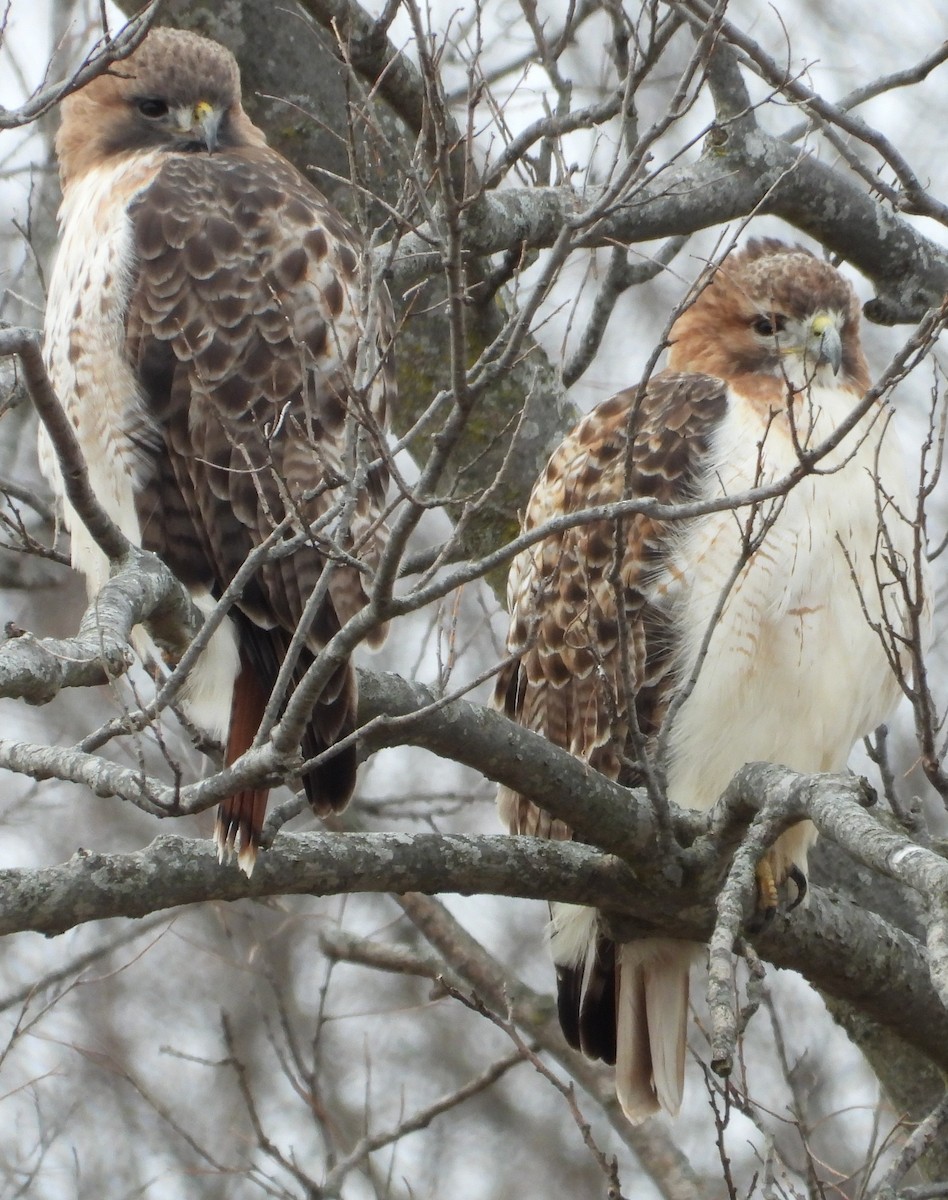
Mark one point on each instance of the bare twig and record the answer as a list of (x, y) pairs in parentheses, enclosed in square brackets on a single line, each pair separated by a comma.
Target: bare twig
[(111, 50)]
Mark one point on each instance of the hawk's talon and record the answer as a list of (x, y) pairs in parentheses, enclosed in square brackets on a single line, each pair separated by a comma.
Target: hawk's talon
[(768, 896), (799, 880), (760, 919)]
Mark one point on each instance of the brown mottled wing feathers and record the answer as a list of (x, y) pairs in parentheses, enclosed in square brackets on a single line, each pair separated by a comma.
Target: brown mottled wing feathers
[(565, 593), (243, 328)]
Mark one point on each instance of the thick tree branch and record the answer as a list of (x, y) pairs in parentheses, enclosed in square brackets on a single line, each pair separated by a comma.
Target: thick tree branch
[(142, 590), (845, 950), (765, 175), (756, 173), (173, 870)]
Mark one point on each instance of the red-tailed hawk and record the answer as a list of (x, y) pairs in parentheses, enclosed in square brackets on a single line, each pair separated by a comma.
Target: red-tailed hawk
[(749, 628), (204, 331)]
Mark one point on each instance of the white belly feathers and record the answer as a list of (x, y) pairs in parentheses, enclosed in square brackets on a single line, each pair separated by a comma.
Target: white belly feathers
[(84, 350), (775, 681)]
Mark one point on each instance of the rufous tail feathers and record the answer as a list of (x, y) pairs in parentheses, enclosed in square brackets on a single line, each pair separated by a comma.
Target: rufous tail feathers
[(240, 817), (328, 786)]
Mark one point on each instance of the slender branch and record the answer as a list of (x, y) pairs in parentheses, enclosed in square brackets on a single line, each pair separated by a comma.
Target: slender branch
[(25, 344), (654, 1146), (928, 1131), (421, 1119), (886, 83), (112, 50)]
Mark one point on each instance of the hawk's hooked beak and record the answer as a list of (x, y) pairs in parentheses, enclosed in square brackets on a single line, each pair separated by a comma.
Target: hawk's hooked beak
[(202, 122), (824, 338), (207, 119)]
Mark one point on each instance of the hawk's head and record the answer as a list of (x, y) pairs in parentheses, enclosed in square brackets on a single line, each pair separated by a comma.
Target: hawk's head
[(177, 92), (773, 310)]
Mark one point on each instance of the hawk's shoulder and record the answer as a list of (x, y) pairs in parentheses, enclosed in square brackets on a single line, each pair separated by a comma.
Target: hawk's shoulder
[(665, 423)]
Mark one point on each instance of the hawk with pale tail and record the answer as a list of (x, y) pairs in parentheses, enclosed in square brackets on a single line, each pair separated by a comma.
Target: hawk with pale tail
[(739, 635), (206, 334)]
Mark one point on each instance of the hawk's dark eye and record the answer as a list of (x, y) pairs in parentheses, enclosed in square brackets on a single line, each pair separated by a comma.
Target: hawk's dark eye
[(769, 326), (152, 107)]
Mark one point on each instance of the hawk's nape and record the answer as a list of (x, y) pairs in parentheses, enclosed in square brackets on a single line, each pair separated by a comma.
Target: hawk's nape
[(761, 631), (203, 330)]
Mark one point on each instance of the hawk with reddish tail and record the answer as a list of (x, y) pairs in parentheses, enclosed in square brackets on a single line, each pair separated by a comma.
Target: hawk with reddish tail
[(678, 650), (206, 334)]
